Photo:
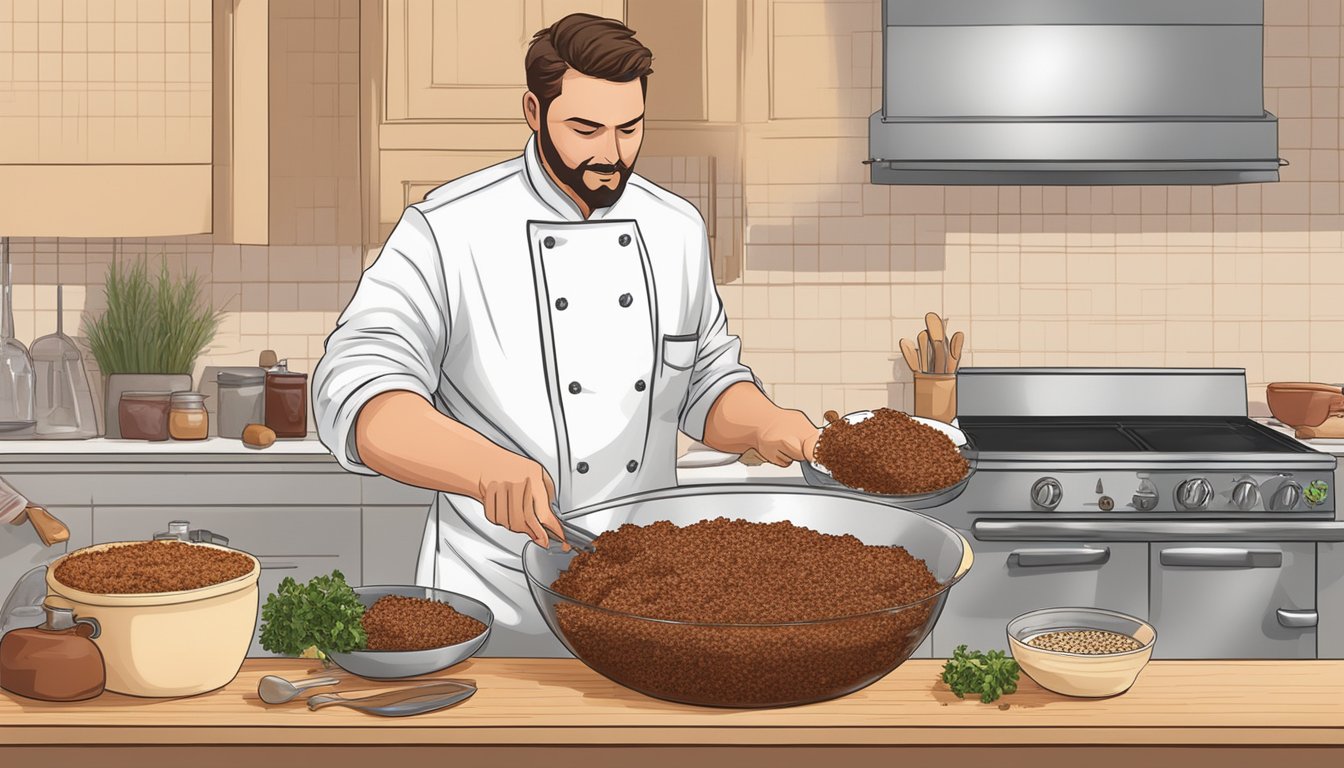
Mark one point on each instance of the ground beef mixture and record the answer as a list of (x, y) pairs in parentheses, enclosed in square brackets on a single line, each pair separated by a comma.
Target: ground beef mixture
[(151, 566), (890, 453), (739, 573), (396, 623)]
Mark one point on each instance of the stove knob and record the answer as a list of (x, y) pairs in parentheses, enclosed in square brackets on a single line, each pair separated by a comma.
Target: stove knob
[(1194, 493), (1245, 495), (1145, 498), (1047, 493), (1286, 497)]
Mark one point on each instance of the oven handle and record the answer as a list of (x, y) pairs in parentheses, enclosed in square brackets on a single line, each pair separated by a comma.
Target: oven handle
[(1146, 531), (1044, 558), (1221, 557), (1296, 619)]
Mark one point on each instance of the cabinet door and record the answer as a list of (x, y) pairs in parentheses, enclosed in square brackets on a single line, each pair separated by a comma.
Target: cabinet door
[(1234, 601), (100, 98), (301, 542), (462, 60), (1330, 600), (1011, 578)]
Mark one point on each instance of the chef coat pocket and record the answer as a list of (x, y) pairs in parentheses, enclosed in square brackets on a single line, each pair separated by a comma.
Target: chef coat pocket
[(679, 351)]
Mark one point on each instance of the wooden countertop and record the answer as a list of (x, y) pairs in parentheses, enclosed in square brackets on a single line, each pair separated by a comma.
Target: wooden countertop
[(560, 702)]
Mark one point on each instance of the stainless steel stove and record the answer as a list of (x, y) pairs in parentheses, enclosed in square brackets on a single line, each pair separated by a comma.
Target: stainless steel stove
[(1148, 491)]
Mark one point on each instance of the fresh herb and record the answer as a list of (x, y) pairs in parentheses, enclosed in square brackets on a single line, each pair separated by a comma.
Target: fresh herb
[(989, 674), (323, 614)]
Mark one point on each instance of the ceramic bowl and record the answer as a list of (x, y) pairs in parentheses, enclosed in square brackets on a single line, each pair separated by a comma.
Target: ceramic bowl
[(1075, 674)]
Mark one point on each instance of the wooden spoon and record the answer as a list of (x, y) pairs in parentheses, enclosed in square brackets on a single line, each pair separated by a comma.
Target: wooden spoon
[(925, 348), (954, 354), (938, 342), (911, 355)]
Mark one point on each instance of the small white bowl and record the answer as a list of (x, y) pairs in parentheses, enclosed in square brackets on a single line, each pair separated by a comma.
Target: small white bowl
[(1078, 674)]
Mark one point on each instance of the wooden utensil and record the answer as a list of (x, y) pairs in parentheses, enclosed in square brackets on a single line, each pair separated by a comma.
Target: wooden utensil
[(924, 351), (911, 355), (954, 351), (937, 343)]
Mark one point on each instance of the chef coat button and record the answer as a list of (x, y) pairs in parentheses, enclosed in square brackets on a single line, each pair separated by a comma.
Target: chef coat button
[(575, 388), (632, 466), (624, 240), (582, 467), (562, 304), (639, 385), (626, 299), (549, 242)]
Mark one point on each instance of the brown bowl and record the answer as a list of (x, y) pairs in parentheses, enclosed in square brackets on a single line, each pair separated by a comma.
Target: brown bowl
[(1304, 404)]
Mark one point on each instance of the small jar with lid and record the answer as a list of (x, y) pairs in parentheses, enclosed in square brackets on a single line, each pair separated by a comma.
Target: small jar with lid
[(187, 419), (144, 415), (241, 400), (286, 404)]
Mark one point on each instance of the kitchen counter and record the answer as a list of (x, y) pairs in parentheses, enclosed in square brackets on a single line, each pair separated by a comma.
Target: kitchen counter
[(560, 712)]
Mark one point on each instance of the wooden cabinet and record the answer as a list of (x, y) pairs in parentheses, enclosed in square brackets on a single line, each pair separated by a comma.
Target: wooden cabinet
[(449, 79)]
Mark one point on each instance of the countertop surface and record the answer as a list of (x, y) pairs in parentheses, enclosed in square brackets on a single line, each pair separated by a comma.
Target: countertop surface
[(560, 701)]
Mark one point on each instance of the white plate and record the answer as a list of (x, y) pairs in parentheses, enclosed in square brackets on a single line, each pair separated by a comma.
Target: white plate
[(957, 437)]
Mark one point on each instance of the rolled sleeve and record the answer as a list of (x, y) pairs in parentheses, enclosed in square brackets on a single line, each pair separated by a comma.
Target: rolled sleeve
[(718, 363), (392, 337)]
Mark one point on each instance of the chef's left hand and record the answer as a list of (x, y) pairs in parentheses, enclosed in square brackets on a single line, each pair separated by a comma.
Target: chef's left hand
[(787, 437)]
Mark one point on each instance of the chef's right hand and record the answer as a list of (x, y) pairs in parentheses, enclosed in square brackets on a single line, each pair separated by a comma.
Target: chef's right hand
[(517, 494)]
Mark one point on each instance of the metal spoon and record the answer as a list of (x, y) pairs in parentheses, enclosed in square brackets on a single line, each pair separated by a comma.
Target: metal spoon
[(575, 536), (402, 703), (277, 690)]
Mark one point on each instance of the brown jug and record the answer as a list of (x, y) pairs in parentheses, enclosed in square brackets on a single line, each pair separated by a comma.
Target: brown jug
[(57, 661)]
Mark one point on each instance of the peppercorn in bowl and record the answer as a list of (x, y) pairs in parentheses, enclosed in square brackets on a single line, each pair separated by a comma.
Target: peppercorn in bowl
[(1083, 652), (415, 631), (747, 596)]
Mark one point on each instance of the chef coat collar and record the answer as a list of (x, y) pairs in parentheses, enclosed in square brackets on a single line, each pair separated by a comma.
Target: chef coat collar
[(549, 192)]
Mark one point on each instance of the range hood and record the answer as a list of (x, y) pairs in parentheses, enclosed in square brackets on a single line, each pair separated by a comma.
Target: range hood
[(1073, 92)]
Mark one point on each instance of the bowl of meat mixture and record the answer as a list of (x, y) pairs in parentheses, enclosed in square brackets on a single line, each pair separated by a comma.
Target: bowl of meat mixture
[(415, 631)]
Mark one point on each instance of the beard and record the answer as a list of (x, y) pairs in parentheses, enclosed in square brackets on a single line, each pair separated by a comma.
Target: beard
[(603, 196)]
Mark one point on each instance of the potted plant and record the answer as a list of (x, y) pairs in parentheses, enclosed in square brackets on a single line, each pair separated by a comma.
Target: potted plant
[(150, 335)]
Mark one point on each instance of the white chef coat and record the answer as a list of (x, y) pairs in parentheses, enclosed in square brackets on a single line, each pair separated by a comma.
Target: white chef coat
[(581, 344)]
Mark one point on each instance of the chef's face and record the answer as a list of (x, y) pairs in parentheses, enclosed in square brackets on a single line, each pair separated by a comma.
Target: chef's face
[(590, 135)]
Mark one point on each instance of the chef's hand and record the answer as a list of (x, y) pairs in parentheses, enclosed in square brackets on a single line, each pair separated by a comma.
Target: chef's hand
[(517, 493), (787, 436)]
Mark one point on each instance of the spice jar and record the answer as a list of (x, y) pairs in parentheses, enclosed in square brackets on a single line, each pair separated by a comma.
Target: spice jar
[(187, 419), (286, 401), (241, 400), (57, 661), (144, 415)]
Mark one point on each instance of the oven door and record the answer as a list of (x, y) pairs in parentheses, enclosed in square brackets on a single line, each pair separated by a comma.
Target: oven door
[(1011, 578), (1233, 600)]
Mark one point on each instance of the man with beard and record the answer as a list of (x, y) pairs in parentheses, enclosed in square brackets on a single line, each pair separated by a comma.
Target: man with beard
[(532, 336)]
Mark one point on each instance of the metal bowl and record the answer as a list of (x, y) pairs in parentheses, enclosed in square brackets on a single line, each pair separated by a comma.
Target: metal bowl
[(817, 475), (395, 665), (750, 665)]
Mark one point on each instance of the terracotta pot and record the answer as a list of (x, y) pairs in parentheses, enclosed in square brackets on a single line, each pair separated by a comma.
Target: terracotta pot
[(1304, 404), (118, 383)]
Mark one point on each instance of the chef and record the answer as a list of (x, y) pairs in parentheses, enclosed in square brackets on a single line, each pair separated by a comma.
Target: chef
[(535, 333)]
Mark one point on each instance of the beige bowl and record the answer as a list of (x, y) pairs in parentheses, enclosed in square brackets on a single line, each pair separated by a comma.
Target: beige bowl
[(167, 644), (1075, 674)]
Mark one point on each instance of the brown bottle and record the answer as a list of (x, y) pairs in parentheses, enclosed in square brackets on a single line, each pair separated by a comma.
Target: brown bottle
[(286, 405), (57, 661)]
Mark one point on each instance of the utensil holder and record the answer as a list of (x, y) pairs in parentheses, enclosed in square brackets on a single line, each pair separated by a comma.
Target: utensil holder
[(936, 396)]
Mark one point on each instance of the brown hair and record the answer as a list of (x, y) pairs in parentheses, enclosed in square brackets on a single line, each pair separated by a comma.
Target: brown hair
[(592, 45)]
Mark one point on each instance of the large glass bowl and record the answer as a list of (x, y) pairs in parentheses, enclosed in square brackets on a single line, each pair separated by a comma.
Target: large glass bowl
[(750, 665)]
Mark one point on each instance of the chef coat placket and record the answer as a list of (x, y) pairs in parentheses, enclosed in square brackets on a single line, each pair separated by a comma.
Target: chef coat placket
[(597, 316)]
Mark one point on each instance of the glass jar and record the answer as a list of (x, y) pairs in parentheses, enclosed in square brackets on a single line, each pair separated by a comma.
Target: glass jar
[(286, 401), (144, 415), (187, 419), (241, 400)]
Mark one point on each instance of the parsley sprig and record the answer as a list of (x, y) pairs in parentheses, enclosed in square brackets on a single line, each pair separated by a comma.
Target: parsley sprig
[(989, 674), (324, 614)]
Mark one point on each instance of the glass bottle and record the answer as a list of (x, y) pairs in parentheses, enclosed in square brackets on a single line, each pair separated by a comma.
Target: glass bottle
[(16, 366), (187, 419), (286, 404)]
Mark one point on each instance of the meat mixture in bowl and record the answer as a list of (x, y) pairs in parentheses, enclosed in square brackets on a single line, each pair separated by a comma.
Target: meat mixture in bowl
[(151, 566), (396, 623)]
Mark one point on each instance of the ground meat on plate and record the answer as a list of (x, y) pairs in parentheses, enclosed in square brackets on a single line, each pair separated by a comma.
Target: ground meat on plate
[(151, 566), (396, 623), (890, 453), (741, 583)]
